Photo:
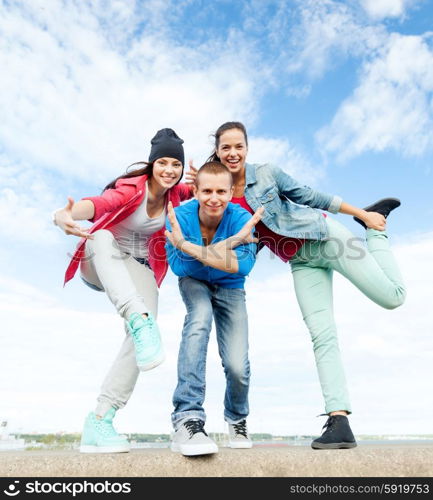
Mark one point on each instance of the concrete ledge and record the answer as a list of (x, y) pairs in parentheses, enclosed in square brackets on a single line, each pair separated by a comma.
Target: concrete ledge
[(381, 460)]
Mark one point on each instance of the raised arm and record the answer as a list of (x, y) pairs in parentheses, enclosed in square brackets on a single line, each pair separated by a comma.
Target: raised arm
[(221, 255), (245, 234), (373, 220), (65, 217), (305, 195)]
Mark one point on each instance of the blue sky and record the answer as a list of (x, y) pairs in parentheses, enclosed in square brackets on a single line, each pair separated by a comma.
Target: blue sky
[(337, 93)]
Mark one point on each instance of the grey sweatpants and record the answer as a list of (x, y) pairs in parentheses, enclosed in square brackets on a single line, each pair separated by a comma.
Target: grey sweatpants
[(131, 287)]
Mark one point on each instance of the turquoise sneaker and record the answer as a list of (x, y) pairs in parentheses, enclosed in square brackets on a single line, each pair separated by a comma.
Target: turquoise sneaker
[(147, 341), (99, 435)]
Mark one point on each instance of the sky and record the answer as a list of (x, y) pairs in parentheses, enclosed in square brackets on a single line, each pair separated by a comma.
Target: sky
[(339, 94)]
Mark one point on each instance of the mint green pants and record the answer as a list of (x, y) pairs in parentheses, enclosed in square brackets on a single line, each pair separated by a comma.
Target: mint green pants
[(373, 271)]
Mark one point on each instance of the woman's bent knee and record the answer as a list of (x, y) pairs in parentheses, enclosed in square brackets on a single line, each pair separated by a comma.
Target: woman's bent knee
[(102, 236)]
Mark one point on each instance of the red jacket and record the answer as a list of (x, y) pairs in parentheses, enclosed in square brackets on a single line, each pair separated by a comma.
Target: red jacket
[(116, 204)]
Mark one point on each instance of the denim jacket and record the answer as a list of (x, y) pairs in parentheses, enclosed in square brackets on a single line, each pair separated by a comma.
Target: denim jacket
[(289, 205)]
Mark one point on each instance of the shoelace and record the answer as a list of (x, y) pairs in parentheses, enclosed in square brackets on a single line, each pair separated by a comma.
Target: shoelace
[(151, 337), (241, 428), (194, 426), (137, 338), (105, 428), (329, 424)]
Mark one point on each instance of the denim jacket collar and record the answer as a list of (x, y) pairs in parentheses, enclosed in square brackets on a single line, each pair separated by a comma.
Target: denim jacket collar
[(250, 174)]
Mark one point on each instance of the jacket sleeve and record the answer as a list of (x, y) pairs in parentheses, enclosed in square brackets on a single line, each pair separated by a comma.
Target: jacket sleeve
[(185, 191), (304, 195), (111, 200), (246, 254)]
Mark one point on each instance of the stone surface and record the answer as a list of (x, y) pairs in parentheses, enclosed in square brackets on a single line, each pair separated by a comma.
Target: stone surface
[(411, 460)]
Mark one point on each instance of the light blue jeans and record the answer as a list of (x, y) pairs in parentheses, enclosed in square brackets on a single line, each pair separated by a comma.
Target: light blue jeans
[(227, 305), (373, 270)]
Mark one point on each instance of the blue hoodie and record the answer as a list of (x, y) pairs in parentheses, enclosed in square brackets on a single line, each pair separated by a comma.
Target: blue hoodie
[(182, 264)]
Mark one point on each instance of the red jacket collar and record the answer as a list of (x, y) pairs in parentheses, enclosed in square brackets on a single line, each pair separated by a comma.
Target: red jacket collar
[(139, 181)]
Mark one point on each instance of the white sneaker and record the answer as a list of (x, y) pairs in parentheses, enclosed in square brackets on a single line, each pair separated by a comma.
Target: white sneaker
[(238, 435), (191, 439)]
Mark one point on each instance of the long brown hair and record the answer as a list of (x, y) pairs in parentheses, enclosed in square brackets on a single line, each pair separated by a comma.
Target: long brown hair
[(220, 131), (146, 170)]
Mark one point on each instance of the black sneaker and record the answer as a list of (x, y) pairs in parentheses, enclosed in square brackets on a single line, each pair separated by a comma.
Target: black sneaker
[(384, 207), (337, 435)]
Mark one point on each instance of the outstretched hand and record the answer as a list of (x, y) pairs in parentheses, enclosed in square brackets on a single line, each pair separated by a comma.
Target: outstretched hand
[(175, 237), (191, 174), (245, 236), (374, 220), (63, 219)]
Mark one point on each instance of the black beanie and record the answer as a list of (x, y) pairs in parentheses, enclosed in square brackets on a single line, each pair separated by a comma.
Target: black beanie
[(166, 143)]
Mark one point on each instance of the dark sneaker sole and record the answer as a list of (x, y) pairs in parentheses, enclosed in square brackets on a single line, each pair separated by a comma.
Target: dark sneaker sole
[(332, 446), (392, 204)]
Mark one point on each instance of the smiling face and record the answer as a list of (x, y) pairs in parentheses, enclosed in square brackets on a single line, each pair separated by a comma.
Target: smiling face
[(213, 192), (166, 172), (232, 150)]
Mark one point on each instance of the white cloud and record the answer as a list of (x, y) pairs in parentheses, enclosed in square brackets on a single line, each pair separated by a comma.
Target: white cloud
[(281, 153), (74, 102), (21, 219), (329, 31), (57, 355), (380, 9), (27, 198), (84, 93), (17, 294), (391, 108)]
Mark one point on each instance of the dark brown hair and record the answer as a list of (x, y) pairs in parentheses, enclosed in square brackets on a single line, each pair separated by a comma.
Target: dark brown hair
[(220, 130), (146, 170)]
